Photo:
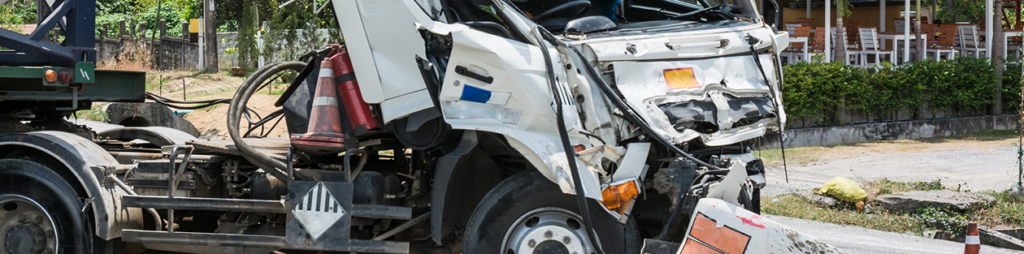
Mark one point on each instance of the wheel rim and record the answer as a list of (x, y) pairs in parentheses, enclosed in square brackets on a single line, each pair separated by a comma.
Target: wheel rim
[(547, 230), (25, 226)]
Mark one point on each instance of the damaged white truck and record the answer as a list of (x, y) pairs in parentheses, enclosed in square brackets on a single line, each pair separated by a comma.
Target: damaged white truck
[(440, 126)]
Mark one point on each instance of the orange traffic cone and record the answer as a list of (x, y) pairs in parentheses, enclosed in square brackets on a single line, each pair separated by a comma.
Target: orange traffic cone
[(324, 134), (972, 241)]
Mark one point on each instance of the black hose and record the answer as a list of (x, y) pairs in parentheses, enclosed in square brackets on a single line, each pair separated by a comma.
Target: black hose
[(778, 117), (265, 120), (238, 102), (683, 198), (626, 110), (567, 146), (155, 96), (161, 102)]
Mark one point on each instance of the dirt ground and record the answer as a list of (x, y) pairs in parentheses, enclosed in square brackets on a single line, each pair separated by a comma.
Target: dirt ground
[(211, 86), (980, 161)]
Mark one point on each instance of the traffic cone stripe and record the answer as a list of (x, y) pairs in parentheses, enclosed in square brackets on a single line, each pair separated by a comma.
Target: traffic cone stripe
[(326, 73), (325, 101), (972, 243), (325, 134), (972, 239)]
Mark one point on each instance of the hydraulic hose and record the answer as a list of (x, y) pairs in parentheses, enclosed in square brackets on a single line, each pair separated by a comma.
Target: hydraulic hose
[(563, 133), (165, 99), (621, 105), (782, 146), (683, 198), (238, 103)]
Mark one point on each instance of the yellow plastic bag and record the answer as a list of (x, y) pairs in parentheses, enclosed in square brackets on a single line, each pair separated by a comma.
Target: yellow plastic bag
[(844, 189)]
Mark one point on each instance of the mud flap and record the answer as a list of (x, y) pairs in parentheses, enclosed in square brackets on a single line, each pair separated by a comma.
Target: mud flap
[(720, 227), (319, 216)]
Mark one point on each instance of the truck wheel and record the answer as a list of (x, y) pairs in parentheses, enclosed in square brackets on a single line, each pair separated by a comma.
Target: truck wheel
[(527, 214), (41, 213)]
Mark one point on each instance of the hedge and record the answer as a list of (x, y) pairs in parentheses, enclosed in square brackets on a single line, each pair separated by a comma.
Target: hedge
[(815, 92)]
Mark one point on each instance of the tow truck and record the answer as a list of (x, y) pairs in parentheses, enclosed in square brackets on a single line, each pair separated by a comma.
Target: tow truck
[(439, 126)]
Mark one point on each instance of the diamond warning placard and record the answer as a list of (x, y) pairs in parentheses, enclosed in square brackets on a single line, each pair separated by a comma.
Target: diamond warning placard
[(318, 210)]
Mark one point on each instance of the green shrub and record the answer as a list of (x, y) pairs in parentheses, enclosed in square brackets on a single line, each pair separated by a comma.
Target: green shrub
[(1011, 86), (814, 92)]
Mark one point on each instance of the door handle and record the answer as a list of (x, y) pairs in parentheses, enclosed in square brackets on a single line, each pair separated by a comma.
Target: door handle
[(462, 70)]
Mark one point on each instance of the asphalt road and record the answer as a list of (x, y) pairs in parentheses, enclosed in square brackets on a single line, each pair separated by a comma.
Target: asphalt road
[(862, 240)]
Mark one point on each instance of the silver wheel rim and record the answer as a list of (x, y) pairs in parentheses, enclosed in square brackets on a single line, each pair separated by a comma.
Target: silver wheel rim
[(544, 227), (19, 212)]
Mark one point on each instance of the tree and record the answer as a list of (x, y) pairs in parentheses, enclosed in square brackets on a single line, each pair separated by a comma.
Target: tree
[(247, 51), (842, 10), (997, 56)]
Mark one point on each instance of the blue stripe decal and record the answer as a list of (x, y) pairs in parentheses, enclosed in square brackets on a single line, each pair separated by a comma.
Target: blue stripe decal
[(471, 93)]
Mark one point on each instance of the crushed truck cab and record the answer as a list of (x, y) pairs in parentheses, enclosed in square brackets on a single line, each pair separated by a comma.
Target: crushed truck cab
[(437, 126)]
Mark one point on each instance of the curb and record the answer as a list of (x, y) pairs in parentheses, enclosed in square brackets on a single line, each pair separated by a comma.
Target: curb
[(920, 129)]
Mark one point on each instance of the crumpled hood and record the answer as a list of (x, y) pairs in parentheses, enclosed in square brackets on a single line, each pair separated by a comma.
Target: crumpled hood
[(728, 99)]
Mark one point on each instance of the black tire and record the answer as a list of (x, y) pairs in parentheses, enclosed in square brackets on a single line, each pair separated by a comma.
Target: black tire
[(23, 179), (529, 191)]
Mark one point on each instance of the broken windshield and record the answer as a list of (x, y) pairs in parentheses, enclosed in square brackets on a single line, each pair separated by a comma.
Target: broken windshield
[(586, 16)]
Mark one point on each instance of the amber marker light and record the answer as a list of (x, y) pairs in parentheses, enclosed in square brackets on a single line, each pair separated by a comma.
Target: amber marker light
[(50, 75), (619, 196)]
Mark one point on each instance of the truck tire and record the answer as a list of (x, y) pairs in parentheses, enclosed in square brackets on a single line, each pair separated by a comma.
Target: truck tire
[(41, 213), (527, 214)]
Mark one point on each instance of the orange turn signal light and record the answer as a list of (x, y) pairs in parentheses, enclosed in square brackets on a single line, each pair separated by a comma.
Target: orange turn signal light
[(50, 75), (618, 197)]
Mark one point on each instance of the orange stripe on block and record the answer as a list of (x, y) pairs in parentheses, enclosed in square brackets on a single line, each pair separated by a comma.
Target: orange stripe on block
[(723, 238)]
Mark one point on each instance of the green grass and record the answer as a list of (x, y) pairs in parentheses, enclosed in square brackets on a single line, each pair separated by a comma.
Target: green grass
[(886, 186), (95, 113), (802, 208), (794, 156), (1007, 212)]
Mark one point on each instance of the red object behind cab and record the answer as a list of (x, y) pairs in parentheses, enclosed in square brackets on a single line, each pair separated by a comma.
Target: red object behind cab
[(358, 111)]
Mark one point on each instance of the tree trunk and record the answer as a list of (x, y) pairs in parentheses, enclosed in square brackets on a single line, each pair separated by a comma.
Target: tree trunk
[(998, 44), (951, 8), (931, 14), (840, 39)]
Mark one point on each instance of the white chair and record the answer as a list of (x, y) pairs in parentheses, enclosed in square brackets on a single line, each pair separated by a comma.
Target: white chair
[(969, 42), (795, 52), (852, 54), (870, 46), (899, 25), (790, 26)]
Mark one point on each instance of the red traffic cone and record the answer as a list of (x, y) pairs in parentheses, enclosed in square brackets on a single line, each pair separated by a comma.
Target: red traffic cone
[(324, 133), (972, 241)]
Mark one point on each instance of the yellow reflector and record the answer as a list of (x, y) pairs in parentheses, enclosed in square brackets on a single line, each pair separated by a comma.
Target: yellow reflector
[(193, 26), (50, 75), (681, 78), (618, 197)]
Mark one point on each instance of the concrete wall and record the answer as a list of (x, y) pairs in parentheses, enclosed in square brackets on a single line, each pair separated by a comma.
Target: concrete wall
[(848, 134)]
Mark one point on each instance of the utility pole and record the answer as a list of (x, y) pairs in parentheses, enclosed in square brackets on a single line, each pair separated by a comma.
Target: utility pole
[(210, 33)]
